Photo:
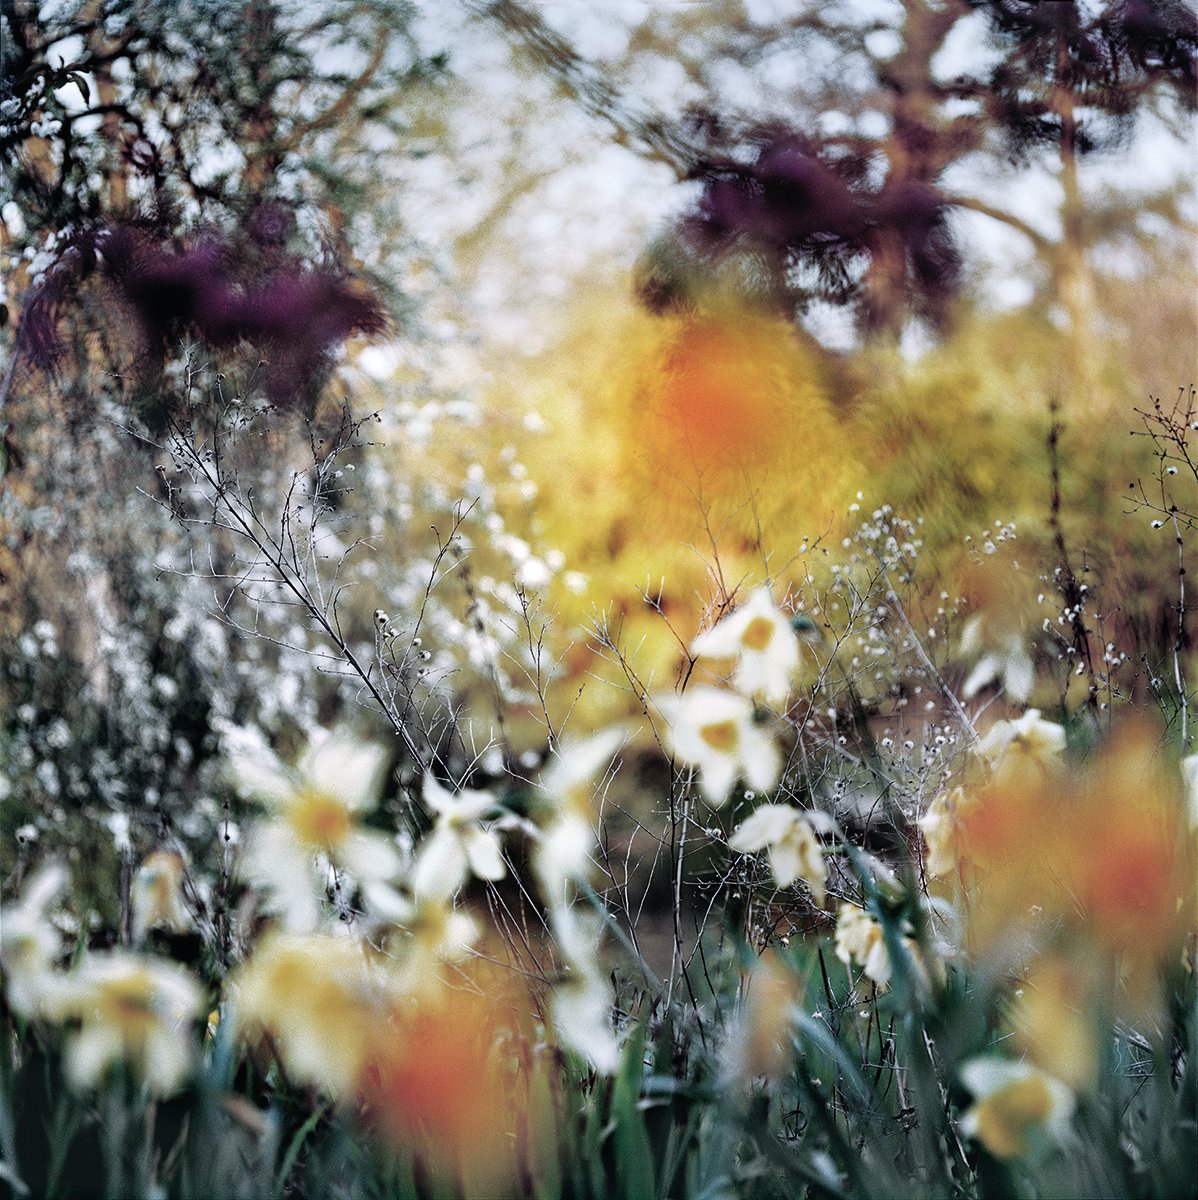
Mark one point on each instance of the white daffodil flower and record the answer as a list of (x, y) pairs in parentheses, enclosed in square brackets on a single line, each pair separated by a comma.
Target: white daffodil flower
[(29, 944), (321, 998), (1005, 660), (134, 1008), (859, 938), (714, 731), (1012, 1100), (794, 850), (314, 812), (581, 1006), (420, 935), (459, 843), (1030, 737), (157, 895), (581, 1009), (763, 643), (563, 850)]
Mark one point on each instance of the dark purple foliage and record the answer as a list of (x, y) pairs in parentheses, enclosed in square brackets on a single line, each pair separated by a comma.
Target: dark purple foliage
[(271, 225), (794, 205), (297, 316), (917, 212), (784, 197), (1158, 37), (214, 290)]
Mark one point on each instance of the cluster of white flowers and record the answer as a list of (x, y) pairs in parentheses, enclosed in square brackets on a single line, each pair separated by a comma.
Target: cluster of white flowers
[(312, 833), (718, 731), (128, 1007)]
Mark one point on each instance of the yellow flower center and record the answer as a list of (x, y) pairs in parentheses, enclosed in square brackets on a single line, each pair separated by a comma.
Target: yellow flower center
[(1005, 1117), (320, 819), (128, 1004), (721, 735), (758, 633)]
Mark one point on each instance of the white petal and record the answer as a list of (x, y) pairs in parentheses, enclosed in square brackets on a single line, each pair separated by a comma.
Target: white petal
[(762, 760), (766, 675), (258, 775), (167, 1060), (437, 798), (717, 774), (369, 856), (90, 1053), (971, 636), (1019, 675), (344, 767), (44, 886), (469, 805), (388, 903), (985, 672), (582, 1016), (484, 854), (563, 853), (461, 933), (722, 640), (769, 823), (272, 861), (786, 863), (440, 867), (877, 963), (577, 764)]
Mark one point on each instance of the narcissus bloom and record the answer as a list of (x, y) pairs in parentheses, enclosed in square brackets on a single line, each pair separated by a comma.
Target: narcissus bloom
[(763, 643), (1028, 740), (939, 828), (320, 998), (1012, 1100), (563, 851), (315, 810), (29, 944), (1004, 658), (794, 850), (157, 895), (419, 935), (1053, 1019), (760, 1041), (459, 845), (582, 1004), (859, 938), (132, 1008), (714, 731)]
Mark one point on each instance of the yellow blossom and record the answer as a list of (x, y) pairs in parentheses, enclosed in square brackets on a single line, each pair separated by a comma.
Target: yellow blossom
[(794, 850), (1053, 1020), (157, 895), (134, 1008), (859, 938), (760, 1041), (319, 998), (1012, 1100), (715, 731), (763, 643), (1028, 741)]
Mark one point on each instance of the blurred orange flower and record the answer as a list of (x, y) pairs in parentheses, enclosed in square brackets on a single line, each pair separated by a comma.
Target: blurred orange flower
[(441, 1081)]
